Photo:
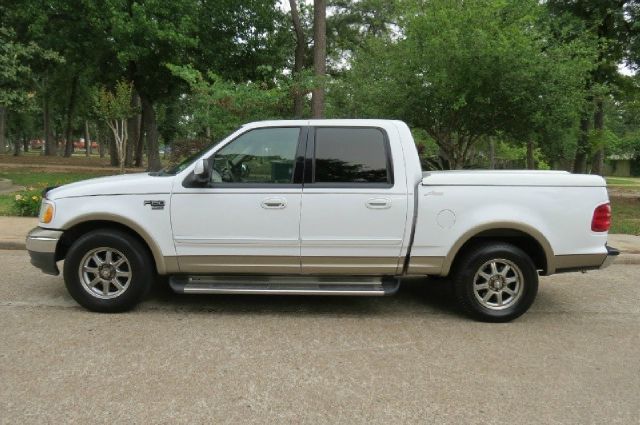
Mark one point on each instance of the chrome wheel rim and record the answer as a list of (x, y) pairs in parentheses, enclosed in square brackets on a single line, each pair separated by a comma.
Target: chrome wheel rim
[(105, 273), (498, 284)]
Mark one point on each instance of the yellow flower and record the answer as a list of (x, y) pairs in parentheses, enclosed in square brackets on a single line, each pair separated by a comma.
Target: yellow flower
[(34, 197), (18, 197)]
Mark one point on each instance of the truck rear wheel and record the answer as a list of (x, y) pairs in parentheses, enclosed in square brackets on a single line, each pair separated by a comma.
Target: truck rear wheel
[(495, 282), (108, 271)]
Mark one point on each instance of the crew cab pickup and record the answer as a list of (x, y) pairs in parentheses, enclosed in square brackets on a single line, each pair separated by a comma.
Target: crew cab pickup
[(322, 207)]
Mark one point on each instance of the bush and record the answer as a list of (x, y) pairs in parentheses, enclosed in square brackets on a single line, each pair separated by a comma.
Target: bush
[(27, 203)]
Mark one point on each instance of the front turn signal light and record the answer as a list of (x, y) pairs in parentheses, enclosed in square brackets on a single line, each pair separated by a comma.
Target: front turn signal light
[(46, 212)]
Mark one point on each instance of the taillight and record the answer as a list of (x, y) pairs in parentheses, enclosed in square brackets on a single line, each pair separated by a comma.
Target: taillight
[(601, 221)]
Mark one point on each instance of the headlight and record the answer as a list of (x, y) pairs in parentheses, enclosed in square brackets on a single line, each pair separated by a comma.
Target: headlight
[(47, 209)]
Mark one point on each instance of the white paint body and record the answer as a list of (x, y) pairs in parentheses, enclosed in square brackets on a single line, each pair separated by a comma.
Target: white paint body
[(342, 222)]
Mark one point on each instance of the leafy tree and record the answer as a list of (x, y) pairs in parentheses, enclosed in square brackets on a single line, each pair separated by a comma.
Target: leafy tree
[(17, 88), (465, 71), (233, 37), (611, 22), (220, 105), (623, 133), (114, 107), (353, 22)]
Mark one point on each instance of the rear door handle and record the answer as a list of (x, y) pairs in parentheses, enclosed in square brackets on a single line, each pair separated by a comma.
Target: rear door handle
[(273, 203), (379, 203)]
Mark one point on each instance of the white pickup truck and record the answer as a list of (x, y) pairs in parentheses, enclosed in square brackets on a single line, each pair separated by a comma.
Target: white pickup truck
[(322, 207)]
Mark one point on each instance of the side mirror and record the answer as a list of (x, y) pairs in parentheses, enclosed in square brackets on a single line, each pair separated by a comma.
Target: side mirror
[(200, 167), (201, 171)]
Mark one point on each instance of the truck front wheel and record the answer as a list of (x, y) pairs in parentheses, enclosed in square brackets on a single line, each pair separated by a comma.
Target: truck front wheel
[(495, 281), (108, 271)]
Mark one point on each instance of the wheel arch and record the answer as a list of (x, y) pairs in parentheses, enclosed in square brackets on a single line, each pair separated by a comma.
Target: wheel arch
[(525, 237), (81, 225)]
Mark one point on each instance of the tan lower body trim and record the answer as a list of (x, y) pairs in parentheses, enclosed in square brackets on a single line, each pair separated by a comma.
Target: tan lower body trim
[(425, 265), (577, 261), (171, 265), (350, 265), (246, 264), (260, 264)]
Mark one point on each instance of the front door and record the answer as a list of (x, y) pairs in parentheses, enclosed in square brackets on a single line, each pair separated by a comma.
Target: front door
[(246, 219), (354, 210)]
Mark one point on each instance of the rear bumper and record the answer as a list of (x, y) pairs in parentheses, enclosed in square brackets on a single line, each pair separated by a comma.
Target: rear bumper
[(612, 254), (41, 245), (584, 262)]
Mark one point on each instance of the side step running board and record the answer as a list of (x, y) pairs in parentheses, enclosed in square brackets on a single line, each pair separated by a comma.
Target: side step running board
[(283, 285)]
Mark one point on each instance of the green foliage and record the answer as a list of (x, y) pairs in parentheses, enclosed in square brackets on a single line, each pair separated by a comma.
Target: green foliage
[(116, 104), (17, 91), (623, 114), (459, 72), (603, 138), (467, 70), (221, 105), (27, 203), (517, 153)]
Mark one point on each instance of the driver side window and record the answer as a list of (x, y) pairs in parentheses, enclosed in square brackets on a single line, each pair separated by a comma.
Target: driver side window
[(263, 155)]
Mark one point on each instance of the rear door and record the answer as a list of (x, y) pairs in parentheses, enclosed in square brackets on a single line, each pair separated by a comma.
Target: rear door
[(354, 202)]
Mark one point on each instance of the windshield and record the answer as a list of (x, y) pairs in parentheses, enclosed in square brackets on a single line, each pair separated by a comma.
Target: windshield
[(172, 171), (175, 169)]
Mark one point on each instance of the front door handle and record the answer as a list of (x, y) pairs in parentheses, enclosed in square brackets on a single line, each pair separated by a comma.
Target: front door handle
[(379, 203), (274, 203)]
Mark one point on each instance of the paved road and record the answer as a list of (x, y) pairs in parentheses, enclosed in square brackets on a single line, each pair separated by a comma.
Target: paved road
[(574, 358)]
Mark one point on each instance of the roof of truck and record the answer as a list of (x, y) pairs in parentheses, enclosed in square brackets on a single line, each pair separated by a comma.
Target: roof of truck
[(340, 122)]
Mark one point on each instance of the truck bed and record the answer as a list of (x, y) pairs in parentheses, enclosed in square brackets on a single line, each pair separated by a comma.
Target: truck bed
[(554, 208)]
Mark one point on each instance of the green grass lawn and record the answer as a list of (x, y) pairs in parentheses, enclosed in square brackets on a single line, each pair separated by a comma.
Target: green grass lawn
[(626, 215), (623, 181), (38, 179)]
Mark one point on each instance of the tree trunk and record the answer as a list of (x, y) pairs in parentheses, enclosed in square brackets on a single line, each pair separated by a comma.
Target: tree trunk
[(113, 153), (50, 148), (87, 139), (100, 142), (580, 163), (16, 147), (319, 56), (597, 164), (444, 153), (141, 138), (134, 131), (3, 127), (298, 65), (151, 130), (25, 143), (68, 150), (531, 162), (492, 154)]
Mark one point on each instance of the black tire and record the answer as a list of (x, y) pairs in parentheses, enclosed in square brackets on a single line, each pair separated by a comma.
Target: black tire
[(139, 265), (480, 256)]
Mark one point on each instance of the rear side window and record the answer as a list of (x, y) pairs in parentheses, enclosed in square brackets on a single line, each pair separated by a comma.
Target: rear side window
[(351, 155)]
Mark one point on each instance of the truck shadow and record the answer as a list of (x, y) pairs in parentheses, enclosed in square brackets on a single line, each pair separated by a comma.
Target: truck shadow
[(415, 297)]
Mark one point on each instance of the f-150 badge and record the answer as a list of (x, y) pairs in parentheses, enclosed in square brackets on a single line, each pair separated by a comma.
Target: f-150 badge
[(155, 205)]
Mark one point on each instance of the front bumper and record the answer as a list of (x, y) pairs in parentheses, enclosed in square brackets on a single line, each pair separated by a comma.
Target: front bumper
[(41, 244)]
